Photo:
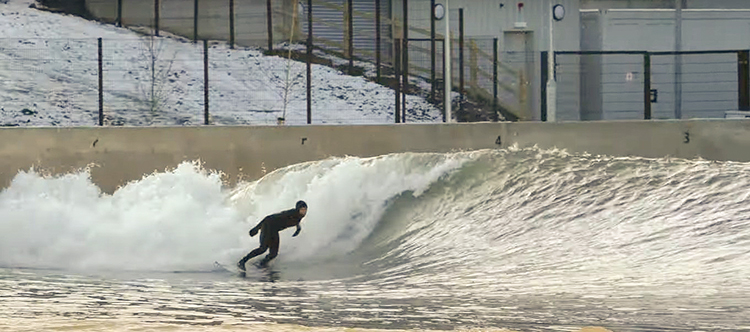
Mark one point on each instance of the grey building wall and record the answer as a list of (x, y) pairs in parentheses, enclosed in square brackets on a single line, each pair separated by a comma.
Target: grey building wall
[(591, 75), (716, 4), (664, 4), (688, 86), (519, 47)]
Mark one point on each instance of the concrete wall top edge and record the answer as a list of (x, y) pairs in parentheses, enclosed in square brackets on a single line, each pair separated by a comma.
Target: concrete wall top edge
[(127, 153)]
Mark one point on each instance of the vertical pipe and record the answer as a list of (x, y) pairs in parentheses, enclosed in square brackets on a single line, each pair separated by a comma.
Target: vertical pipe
[(156, 17), (118, 20), (405, 49), (397, 76), (377, 40), (544, 78), (350, 13), (309, 59), (646, 86), (404, 77), (205, 82), (447, 71), (269, 21), (101, 85), (461, 52), (678, 60), (432, 50), (551, 79), (195, 21), (445, 119), (743, 72), (494, 78), (231, 24)]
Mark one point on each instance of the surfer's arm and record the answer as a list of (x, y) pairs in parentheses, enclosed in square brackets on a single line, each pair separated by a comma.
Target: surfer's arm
[(297, 231), (255, 229)]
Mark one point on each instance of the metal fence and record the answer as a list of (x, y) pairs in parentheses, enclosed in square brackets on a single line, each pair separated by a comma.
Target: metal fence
[(167, 81), (177, 80), (359, 33), (621, 85)]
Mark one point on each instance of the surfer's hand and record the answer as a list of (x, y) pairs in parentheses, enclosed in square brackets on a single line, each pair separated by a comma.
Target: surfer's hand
[(253, 231)]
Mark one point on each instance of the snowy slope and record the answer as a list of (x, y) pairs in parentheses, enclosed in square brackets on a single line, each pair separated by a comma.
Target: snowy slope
[(48, 76)]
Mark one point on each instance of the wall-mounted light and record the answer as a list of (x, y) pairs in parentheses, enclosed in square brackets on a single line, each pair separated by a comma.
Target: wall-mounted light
[(558, 12), (439, 11), (520, 21)]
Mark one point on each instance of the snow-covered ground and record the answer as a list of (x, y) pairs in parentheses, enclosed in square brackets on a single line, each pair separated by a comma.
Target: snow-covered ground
[(49, 77)]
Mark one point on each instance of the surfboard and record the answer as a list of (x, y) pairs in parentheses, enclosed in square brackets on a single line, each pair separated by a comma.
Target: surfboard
[(218, 267)]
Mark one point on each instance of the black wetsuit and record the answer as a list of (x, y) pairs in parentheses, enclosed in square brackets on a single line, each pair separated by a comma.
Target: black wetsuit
[(269, 234)]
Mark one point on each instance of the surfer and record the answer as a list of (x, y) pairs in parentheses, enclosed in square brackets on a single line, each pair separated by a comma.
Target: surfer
[(269, 229)]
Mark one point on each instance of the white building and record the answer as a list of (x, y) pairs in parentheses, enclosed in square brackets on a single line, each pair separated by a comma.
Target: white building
[(684, 86)]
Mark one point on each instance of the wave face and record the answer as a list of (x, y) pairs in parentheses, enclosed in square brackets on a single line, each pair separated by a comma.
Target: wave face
[(466, 228), (531, 221)]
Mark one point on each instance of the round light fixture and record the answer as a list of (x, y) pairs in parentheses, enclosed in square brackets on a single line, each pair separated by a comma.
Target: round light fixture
[(558, 12), (439, 11)]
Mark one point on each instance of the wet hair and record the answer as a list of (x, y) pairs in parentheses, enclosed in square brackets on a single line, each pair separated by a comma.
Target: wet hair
[(301, 204)]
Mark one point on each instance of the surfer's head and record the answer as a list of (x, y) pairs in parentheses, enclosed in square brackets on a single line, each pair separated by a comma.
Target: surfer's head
[(301, 208)]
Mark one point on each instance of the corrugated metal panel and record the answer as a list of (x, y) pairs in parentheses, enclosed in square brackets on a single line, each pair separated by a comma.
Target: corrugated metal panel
[(364, 29), (328, 23), (329, 26)]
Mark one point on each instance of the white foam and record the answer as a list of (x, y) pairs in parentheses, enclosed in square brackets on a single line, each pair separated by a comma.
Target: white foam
[(185, 219), (163, 221)]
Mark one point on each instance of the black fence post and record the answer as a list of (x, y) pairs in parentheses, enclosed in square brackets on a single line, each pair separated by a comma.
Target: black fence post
[(646, 86), (404, 77), (118, 20), (377, 40), (397, 78), (494, 78), (445, 107), (432, 50), (350, 13), (405, 49), (461, 54), (205, 82), (231, 24), (309, 59), (156, 17), (101, 85), (269, 20), (195, 21), (544, 78), (743, 72)]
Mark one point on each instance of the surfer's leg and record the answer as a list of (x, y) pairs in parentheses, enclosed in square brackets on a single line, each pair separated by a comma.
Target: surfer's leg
[(264, 240), (273, 245), (257, 252)]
